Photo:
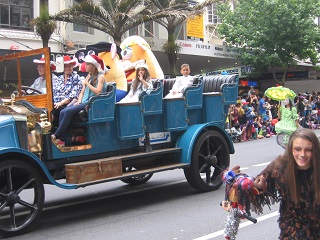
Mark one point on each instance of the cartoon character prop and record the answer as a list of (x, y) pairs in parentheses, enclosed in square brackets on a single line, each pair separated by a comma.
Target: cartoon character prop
[(134, 50), (110, 53), (238, 195)]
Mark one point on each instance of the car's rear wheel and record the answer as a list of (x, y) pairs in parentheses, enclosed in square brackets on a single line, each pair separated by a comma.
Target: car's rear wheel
[(210, 157)]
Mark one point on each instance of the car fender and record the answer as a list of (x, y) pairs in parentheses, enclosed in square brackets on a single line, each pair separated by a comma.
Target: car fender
[(188, 139), (14, 153)]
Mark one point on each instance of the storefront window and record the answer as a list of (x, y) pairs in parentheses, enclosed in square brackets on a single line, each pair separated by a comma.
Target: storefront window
[(16, 14)]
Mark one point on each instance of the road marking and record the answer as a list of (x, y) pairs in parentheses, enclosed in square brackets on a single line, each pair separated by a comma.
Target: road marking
[(256, 165), (242, 225), (261, 164), (244, 168)]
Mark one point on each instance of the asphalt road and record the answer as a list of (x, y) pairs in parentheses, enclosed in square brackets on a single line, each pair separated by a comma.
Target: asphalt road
[(165, 208)]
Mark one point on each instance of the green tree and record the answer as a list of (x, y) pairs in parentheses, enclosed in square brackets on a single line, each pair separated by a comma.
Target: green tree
[(273, 33), (43, 25)]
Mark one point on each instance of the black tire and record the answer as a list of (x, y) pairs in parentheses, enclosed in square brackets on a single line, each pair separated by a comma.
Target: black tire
[(136, 180), (210, 157), (21, 197)]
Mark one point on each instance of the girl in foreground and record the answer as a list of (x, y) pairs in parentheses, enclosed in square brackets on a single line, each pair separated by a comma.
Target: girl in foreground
[(293, 179)]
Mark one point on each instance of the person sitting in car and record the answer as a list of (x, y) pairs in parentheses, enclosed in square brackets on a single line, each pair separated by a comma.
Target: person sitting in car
[(40, 83), (93, 85), (66, 88)]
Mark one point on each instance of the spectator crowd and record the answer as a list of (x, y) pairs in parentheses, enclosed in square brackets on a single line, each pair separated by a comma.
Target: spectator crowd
[(254, 115)]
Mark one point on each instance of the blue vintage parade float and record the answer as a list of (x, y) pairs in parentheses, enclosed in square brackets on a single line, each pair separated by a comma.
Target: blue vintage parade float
[(119, 141)]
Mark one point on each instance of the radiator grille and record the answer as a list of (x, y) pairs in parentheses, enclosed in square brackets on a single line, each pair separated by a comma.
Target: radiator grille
[(22, 134)]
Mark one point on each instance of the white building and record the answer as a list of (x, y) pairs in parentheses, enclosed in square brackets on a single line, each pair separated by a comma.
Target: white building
[(204, 56), (209, 55)]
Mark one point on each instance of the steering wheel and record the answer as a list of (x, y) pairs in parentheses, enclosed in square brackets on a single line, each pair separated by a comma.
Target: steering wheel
[(30, 91)]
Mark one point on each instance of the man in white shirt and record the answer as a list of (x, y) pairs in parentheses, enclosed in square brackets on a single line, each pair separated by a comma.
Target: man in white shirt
[(40, 83)]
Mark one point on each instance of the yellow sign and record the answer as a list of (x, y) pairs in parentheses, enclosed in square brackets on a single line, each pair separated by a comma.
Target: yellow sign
[(195, 27)]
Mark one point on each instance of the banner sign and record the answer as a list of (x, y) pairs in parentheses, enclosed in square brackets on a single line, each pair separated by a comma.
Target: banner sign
[(195, 28)]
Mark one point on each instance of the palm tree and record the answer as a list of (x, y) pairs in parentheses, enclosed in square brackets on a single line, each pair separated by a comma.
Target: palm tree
[(43, 25), (114, 17)]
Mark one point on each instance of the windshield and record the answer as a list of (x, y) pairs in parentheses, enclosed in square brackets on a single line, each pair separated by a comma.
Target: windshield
[(9, 75), (26, 77)]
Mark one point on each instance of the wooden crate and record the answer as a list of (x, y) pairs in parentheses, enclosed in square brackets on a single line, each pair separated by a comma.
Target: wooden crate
[(93, 170)]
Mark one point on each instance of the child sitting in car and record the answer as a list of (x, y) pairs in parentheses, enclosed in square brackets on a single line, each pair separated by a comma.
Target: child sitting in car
[(181, 83)]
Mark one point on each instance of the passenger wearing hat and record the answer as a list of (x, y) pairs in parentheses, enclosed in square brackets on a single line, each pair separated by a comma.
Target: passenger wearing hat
[(40, 83), (66, 88), (93, 85), (140, 84)]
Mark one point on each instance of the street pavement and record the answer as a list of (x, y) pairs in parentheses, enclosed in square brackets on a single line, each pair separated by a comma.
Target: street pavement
[(165, 208)]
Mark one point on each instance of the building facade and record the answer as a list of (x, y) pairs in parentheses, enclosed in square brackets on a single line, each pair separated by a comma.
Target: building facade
[(200, 47), (17, 34)]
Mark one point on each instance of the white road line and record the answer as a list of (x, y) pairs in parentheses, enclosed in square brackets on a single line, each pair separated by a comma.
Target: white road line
[(261, 164), (244, 168), (256, 165), (242, 225)]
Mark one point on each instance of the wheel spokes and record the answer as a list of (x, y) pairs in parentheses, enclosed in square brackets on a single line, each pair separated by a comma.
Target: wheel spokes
[(3, 195), (3, 205), (28, 205), (9, 179), (13, 217), (24, 185), (208, 146), (215, 153), (203, 167), (208, 172)]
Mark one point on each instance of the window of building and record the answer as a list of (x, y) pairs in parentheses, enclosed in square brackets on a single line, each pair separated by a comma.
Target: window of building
[(179, 32), (16, 14), (80, 27), (133, 31), (213, 18), (148, 29)]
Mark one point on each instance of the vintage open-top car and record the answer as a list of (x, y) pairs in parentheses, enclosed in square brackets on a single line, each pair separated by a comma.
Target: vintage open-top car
[(108, 141)]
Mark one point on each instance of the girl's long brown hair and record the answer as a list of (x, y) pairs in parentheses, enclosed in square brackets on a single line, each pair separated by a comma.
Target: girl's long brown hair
[(146, 76), (95, 76), (294, 186)]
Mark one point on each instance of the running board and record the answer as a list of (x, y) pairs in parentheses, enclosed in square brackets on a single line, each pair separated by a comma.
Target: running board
[(135, 173), (109, 169)]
